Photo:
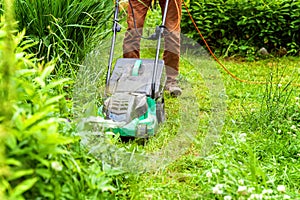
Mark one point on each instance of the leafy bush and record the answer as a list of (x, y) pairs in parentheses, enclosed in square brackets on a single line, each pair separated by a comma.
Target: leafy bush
[(39, 156), (242, 26)]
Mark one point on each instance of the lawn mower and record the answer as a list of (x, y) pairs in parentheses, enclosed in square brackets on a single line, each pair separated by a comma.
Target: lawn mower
[(134, 95)]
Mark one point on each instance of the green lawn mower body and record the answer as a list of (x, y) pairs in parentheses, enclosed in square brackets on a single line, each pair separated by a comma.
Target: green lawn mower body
[(132, 107)]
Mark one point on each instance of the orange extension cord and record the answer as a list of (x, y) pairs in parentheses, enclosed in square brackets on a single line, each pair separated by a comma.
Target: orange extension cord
[(215, 57)]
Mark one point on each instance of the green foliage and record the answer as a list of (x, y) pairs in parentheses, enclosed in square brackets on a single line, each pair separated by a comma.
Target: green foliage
[(64, 29), (242, 27), (40, 158)]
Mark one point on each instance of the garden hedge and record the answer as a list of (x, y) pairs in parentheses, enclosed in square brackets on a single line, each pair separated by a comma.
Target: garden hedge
[(242, 27)]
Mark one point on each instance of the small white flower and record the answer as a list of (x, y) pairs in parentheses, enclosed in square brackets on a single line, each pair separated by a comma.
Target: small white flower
[(297, 98), (267, 191), (227, 197), (279, 131), (293, 127), (243, 137), (242, 190), (241, 182), (215, 171), (208, 174), (281, 188), (279, 85), (251, 189), (220, 186), (56, 166), (256, 196), (217, 190), (286, 196)]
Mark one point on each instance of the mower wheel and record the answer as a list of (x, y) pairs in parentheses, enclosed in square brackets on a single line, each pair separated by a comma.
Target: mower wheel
[(141, 131), (160, 111)]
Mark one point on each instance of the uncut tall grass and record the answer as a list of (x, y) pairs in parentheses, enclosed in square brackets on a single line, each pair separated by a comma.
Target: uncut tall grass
[(64, 30)]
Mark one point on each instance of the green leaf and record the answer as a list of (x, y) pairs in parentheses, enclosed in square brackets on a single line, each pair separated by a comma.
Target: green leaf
[(45, 173), (13, 162), (53, 100), (23, 187), (47, 71), (54, 84), (20, 173)]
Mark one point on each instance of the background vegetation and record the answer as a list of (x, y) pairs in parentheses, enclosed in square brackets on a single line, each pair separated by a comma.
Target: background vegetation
[(256, 157), (64, 30), (242, 27)]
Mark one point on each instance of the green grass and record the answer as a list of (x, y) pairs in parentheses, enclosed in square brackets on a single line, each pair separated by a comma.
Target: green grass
[(245, 141), (258, 148)]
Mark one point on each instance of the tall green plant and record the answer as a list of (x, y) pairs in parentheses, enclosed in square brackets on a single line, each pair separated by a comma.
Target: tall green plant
[(64, 29), (276, 108), (7, 60), (40, 159)]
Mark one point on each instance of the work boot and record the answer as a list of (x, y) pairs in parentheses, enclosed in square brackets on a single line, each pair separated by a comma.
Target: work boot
[(173, 88)]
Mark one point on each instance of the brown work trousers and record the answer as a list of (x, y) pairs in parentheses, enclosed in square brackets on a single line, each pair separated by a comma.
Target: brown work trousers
[(131, 44)]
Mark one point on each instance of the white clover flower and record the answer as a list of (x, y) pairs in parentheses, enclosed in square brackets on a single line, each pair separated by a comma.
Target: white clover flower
[(56, 166), (267, 191), (279, 131), (243, 137), (251, 189), (281, 188), (286, 196), (293, 127), (241, 182), (242, 189), (279, 85), (255, 196), (227, 197), (208, 174), (218, 189), (215, 171)]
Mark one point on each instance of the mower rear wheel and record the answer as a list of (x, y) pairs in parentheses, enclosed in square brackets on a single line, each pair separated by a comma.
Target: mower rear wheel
[(160, 111)]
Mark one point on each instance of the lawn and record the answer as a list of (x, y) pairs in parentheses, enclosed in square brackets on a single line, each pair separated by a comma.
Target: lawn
[(253, 152), (223, 139)]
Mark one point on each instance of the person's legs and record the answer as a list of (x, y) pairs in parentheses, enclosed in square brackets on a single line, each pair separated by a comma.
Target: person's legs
[(172, 44), (131, 43)]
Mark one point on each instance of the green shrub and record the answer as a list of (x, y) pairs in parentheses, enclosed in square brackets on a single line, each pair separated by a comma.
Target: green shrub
[(40, 159), (244, 26)]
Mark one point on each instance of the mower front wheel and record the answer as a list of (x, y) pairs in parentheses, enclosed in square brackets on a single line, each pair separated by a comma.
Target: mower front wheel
[(141, 131)]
